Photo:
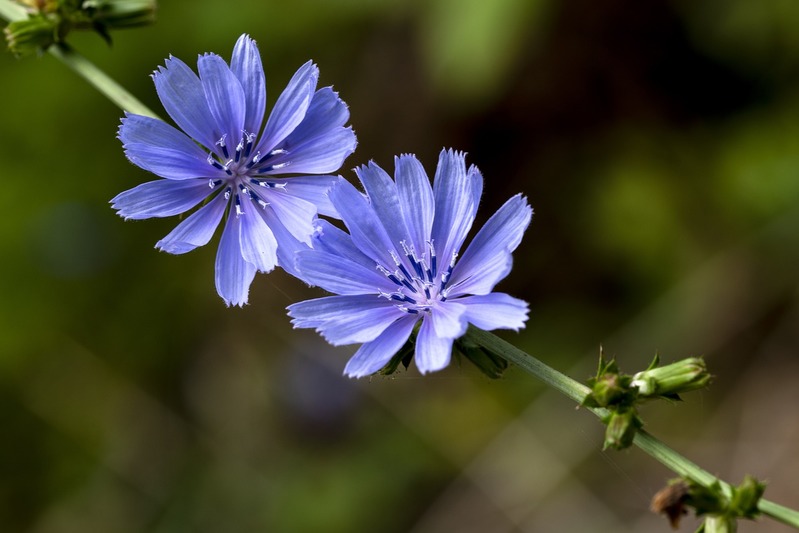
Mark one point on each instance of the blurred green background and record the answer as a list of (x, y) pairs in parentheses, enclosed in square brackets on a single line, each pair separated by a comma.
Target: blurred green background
[(659, 144)]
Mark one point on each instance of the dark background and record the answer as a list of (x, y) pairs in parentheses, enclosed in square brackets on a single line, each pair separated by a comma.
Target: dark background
[(659, 145)]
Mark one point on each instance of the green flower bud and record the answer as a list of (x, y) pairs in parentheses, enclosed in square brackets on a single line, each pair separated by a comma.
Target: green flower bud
[(32, 35), (622, 426), (670, 380)]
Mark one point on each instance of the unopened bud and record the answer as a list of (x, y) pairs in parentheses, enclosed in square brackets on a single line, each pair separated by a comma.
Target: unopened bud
[(622, 426), (682, 376), (32, 35)]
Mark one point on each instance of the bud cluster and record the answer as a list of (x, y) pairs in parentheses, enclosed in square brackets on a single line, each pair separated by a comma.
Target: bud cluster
[(620, 393), (49, 21), (721, 509)]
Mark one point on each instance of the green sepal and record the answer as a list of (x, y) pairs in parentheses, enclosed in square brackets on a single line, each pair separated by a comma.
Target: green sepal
[(610, 387), (404, 357), (489, 363)]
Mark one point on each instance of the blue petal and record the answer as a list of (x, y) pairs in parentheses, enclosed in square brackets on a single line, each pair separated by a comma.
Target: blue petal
[(182, 96), (455, 204), (287, 245), (160, 198), (148, 130), (366, 228), (258, 244), (448, 320), (170, 163), (296, 214), (233, 274), (383, 197), (432, 352), (416, 198), (495, 311), (487, 259), (339, 275), (196, 230), (225, 98), (374, 355), (326, 112), (312, 189), (335, 241), (346, 319), (290, 107), (318, 155), (246, 65)]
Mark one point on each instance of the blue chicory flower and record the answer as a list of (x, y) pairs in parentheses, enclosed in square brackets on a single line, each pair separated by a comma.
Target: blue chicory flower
[(225, 159), (399, 265)]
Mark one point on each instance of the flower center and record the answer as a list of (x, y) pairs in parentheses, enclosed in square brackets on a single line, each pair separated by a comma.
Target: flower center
[(243, 168), (419, 285)]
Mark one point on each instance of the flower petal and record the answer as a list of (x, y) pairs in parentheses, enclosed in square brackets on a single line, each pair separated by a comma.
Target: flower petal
[(225, 97), (246, 65), (487, 259), (317, 155), (335, 241), (258, 244), (383, 197), (196, 230), (182, 96), (287, 245), (495, 311), (455, 204), (160, 198), (170, 163), (290, 107), (296, 214), (366, 228), (432, 352), (148, 130), (339, 275), (312, 189), (448, 320), (346, 319), (233, 274), (325, 113), (374, 355), (416, 198)]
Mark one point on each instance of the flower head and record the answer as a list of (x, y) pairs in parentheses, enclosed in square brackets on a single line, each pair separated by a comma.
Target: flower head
[(222, 157), (399, 266)]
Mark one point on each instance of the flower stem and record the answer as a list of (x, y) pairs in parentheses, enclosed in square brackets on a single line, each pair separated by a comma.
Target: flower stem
[(100, 80), (11, 12), (646, 442)]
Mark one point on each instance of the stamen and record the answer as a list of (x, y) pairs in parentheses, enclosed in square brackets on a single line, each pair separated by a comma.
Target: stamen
[(270, 168), (227, 193), (433, 265), (239, 212), (387, 273), (250, 140), (221, 143), (408, 310), (399, 264), (214, 163), (214, 183), (255, 158)]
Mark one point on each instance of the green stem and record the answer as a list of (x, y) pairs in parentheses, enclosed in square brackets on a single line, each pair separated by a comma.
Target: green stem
[(85, 68), (646, 442), (100, 80)]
